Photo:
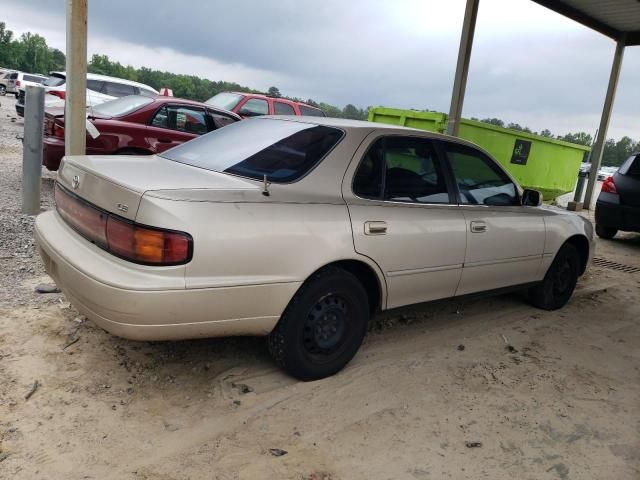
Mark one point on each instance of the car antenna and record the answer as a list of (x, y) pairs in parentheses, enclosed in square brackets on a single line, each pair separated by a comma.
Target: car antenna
[(265, 188)]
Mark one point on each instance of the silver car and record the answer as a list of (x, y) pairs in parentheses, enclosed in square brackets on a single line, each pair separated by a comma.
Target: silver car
[(299, 229)]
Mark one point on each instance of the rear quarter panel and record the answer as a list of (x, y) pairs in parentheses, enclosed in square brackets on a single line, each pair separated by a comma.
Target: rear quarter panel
[(238, 243)]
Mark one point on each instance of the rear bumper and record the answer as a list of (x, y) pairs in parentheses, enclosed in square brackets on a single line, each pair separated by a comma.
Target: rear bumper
[(52, 152), (140, 303), (609, 213)]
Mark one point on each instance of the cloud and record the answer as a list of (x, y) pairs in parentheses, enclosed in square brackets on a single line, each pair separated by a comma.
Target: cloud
[(528, 65)]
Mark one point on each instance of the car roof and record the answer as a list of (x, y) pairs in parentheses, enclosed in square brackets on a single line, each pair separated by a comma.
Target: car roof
[(96, 76), (262, 95), (347, 124)]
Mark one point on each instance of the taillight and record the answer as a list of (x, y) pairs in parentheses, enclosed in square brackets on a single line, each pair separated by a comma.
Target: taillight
[(18, 83), (147, 245), (609, 186), (58, 93), (121, 237)]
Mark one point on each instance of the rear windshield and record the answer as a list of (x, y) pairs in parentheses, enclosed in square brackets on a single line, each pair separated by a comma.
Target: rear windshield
[(54, 81), (225, 100), (13, 76), (282, 150), (122, 106), (310, 111), (631, 166)]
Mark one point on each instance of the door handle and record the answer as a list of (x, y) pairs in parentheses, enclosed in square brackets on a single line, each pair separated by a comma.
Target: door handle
[(478, 227), (375, 228)]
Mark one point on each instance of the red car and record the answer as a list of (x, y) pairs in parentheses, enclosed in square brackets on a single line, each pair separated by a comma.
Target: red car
[(135, 125), (253, 104)]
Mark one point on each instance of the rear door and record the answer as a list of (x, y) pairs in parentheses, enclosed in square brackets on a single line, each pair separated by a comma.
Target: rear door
[(505, 240), (174, 124), (404, 217)]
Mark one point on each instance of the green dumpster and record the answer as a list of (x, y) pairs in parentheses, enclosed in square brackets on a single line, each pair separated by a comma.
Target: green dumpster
[(542, 163)]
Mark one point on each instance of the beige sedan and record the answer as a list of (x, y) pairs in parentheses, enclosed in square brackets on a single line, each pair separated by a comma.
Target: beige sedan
[(299, 229)]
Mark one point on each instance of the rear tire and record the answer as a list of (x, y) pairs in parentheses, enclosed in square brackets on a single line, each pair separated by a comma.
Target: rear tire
[(606, 232), (560, 281), (3, 90), (323, 326)]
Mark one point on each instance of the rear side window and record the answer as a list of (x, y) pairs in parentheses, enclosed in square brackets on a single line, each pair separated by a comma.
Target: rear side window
[(282, 150), (118, 89), (310, 111), (281, 108), (181, 119), (220, 120), (95, 85), (480, 181), (31, 78), (401, 169)]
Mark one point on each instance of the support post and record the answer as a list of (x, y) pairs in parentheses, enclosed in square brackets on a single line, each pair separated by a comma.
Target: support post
[(598, 149), (32, 149), (462, 67), (76, 94)]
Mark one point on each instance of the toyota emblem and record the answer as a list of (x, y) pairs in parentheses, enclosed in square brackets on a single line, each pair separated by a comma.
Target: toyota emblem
[(75, 183)]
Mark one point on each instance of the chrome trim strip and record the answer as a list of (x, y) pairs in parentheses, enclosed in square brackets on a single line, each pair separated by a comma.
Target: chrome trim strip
[(415, 271), (483, 263)]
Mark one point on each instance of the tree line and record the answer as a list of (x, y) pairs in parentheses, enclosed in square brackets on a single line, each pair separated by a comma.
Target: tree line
[(30, 53)]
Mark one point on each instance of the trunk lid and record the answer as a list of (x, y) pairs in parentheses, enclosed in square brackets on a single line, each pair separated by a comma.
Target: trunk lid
[(116, 183)]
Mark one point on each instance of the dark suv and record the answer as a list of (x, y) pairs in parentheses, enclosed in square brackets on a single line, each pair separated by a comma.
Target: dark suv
[(618, 206)]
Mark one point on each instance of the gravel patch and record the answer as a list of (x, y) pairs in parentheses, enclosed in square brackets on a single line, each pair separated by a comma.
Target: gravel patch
[(20, 266)]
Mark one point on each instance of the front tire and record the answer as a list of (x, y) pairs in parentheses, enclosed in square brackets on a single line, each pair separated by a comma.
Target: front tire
[(560, 281), (323, 326), (606, 232)]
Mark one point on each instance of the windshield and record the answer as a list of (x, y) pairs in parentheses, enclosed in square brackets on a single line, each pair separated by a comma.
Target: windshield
[(122, 106), (282, 150), (225, 100), (55, 81)]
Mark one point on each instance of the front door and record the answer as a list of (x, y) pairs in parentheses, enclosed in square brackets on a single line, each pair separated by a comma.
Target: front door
[(505, 241), (405, 219)]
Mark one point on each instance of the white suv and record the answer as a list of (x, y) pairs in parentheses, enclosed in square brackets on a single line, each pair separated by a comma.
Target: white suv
[(13, 81), (100, 89)]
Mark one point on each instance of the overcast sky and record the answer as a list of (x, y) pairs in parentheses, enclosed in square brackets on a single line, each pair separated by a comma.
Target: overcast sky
[(529, 65)]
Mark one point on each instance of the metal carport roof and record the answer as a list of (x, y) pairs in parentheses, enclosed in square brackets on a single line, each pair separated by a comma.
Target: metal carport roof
[(613, 18)]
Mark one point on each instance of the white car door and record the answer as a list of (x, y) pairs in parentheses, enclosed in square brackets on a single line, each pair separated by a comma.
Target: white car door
[(505, 241), (404, 217)]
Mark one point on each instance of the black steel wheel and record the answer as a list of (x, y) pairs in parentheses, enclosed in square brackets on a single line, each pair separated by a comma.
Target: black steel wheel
[(559, 282), (322, 327)]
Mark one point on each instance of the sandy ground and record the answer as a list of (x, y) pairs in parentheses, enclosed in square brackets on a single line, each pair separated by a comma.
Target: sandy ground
[(481, 388)]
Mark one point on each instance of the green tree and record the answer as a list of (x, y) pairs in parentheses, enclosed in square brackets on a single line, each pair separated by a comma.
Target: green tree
[(493, 121), (274, 92)]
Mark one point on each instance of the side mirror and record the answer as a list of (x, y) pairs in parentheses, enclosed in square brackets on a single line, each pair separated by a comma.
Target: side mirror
[(531, 198)]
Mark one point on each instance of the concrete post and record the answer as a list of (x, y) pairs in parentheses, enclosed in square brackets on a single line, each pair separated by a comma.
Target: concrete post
[(596, 154), (76, 94), (462, 68), (32, 149)]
